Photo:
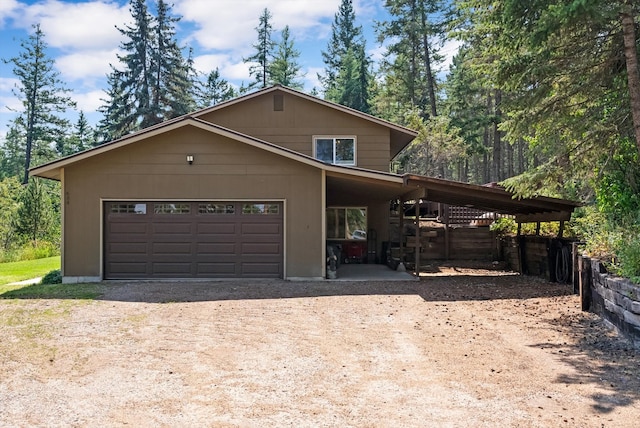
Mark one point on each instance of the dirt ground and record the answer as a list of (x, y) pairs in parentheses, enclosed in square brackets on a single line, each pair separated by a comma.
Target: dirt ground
[(475, 349)]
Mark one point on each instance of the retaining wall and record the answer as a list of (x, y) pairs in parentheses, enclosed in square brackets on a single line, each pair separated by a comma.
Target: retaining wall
[(615, 299)]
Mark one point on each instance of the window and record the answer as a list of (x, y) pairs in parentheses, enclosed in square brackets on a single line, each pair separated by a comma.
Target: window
[(172, 208), (129, 208), (260, 209), (335, 150), (216, 209), (347, 223)]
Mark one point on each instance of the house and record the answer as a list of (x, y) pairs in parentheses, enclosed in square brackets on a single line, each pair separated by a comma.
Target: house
[(251, 188)]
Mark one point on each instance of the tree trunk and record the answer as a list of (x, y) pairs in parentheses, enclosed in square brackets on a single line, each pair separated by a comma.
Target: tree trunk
[(427, 65), (633, 72), (487, 144), (497, 140)]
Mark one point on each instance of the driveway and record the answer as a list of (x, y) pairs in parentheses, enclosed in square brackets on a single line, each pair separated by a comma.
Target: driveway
[(477, 349)]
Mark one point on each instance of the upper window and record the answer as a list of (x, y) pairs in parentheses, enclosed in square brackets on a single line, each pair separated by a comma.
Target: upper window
[(172, 208), (260, 209), (129, 208), (335, 150)]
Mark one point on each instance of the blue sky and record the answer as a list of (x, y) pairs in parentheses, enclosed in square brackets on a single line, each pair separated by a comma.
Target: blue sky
[(83, 40)]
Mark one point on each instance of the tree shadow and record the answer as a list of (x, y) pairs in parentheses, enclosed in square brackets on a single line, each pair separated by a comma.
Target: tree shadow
[(440, 288), (600, 357)]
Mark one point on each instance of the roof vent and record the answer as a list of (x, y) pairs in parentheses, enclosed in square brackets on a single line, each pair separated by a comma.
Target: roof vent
[(278, 102)]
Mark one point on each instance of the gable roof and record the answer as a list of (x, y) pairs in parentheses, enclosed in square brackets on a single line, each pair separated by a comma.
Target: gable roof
[(400, 135), (52, 170)]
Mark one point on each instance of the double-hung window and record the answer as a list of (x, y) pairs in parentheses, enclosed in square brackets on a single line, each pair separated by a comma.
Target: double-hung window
[(335, 150)]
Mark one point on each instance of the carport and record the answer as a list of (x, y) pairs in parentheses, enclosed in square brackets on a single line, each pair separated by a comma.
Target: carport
[(490, 198), (342, 189)]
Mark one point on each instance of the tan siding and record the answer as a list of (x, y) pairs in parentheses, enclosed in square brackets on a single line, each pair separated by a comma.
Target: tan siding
[(223, 169), (301, 119)]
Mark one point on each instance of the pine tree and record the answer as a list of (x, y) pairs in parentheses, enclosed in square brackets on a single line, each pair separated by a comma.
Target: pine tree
[(37, 214), (172, 86), (215, 90), (134, 81), (155, 82), (285, 69), (352, 82), (117, 119), (82, 137), (43, 98), (347, 77), (344, 35), (261, 59), (12, 154), (412, 53)]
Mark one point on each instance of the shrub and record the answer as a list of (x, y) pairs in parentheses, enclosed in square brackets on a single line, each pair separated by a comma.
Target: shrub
[(627, 260), (504, 226), (53, 277)]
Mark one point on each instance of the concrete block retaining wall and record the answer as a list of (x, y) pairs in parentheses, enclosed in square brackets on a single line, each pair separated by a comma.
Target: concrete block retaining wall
[(615, 299)]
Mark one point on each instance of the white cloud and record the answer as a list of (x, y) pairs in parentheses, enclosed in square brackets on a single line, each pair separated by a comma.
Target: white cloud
[(7, 7), (449, 50), (86, 65), (8, 83), (311, 78), (73, 26), (378, 53), (230, 25), (207, 63), (237, 71), (10, 104), (89, 101)]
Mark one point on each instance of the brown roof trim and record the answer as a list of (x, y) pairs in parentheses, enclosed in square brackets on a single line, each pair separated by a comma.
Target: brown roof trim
[(51, 169)]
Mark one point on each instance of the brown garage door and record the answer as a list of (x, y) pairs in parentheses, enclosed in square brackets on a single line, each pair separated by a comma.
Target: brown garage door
[(193, 240)]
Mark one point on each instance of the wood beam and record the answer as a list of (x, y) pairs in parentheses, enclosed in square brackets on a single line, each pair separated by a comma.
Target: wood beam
[(548, 216)]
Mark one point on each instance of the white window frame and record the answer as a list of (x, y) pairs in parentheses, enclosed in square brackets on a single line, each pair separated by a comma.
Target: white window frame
[(334, 138)]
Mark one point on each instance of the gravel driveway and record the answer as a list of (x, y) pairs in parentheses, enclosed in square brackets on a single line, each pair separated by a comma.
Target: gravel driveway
[(479, 349)]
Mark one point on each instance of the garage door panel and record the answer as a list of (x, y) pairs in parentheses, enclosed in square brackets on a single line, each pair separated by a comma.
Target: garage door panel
[(216, 228), (216, 248), (171, 248), (258, 248), (172, 228), (225, 269), (261, 228), (129, 267), (216, 243), (172, 268), (128, 248), (258, 269), (128, 228)]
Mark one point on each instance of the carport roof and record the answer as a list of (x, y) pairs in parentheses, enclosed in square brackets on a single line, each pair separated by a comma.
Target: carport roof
[(492, 198)]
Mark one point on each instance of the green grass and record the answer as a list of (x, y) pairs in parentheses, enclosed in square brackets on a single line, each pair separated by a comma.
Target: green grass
[(27, 269), (51, 291)]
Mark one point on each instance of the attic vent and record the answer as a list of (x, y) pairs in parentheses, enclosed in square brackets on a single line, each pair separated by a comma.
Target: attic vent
[(278, 102)]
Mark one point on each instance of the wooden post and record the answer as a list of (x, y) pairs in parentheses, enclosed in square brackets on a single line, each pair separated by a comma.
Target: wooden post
[(446, 232), (561, 229), (584, 264), (575, 269), (401, 230), (417, 225), (538, 228)]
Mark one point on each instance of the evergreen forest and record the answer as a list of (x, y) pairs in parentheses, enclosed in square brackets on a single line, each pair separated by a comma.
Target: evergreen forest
[(542, 97)]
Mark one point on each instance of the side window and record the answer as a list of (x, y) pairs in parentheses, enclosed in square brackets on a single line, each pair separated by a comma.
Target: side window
[(347, 223), (335, 150)]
